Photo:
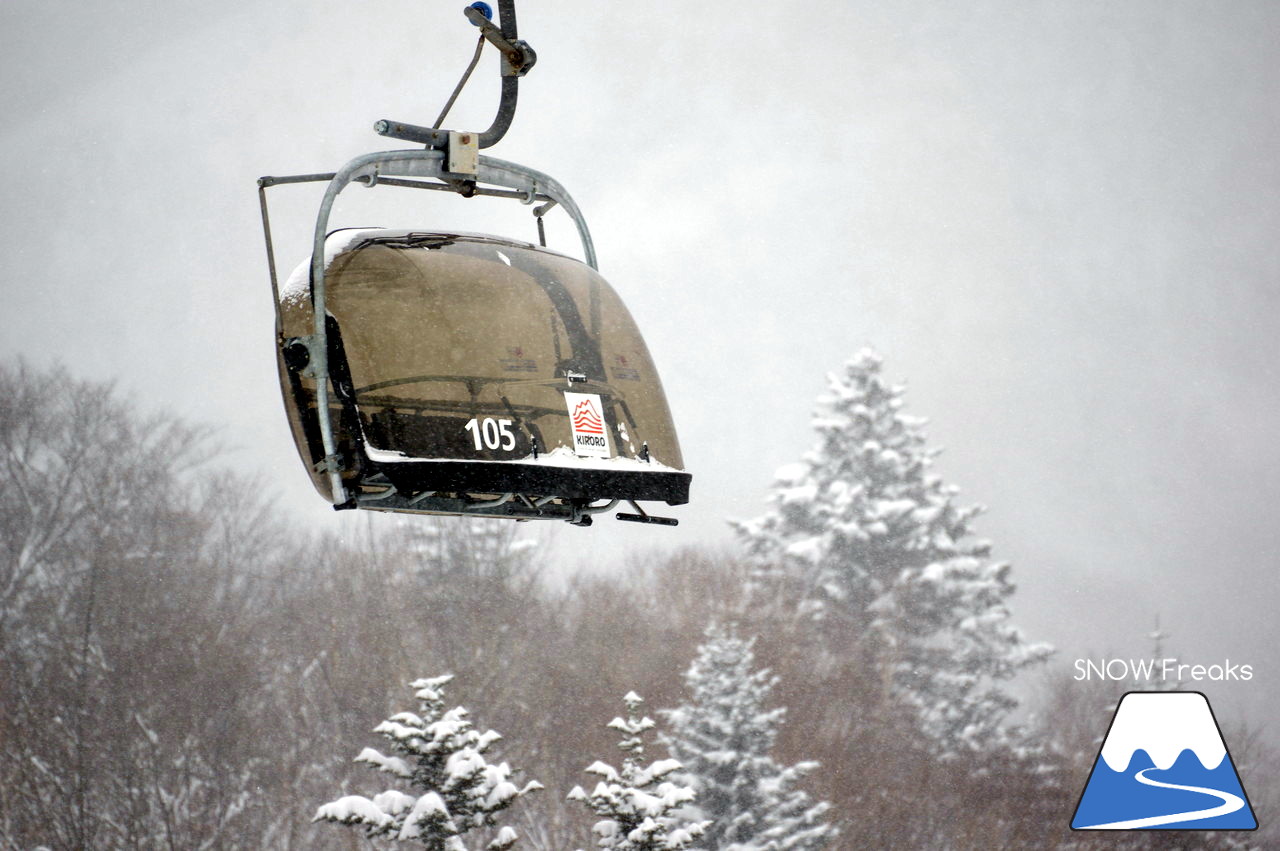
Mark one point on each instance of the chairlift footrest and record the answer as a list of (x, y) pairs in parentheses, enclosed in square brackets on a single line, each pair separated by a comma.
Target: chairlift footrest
[(647, 518)]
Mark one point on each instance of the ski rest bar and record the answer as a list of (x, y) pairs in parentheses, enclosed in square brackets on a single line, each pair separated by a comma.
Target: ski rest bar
[(642, 516), (647, 518)]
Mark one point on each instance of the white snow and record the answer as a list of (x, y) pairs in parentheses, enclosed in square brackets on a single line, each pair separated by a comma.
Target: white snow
[(608, 772), (791, 473), (798, 495), (298, 284), (1164, 724), (429, 806), (662, 767), (501, 793), (394, 802), (462, 765), (390, 764), (398, 731), (810, 550), (505, 838), (353, 808), (559, 457), (892, 509), (428, 689)]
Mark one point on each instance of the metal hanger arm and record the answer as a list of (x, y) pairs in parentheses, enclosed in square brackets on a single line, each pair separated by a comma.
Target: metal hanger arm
[(517, 58)]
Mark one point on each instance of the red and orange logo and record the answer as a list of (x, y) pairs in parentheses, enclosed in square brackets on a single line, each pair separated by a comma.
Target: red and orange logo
[(586, 419)]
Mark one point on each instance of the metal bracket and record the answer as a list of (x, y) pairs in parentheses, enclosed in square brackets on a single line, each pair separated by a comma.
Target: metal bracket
[(582, 514), (299, 354), (464, 153), (328, 465)]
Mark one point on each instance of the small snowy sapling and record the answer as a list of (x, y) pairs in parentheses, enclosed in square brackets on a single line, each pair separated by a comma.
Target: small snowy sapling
[(639, 807), (442, 757)]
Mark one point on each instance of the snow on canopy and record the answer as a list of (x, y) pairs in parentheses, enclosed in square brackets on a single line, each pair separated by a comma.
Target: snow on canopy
[(298, 284)]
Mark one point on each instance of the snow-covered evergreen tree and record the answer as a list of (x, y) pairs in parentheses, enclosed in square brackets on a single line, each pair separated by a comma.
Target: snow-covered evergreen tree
[(442, 756), (863, 537), (639, 807), (723, 738)]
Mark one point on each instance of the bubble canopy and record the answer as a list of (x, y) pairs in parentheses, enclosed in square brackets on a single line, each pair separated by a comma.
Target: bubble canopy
[(473, 374)]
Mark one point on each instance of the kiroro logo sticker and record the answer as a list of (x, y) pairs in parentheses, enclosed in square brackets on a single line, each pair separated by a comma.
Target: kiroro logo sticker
[(586, 418)]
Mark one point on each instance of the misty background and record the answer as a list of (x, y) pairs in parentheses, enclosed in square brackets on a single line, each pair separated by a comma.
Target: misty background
[(1056, 221)]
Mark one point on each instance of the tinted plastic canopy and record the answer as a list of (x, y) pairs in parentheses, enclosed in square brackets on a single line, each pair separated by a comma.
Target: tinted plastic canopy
[(472, 374)]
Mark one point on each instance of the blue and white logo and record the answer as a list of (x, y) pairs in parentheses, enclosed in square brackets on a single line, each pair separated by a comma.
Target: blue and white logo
[(1164, 765)]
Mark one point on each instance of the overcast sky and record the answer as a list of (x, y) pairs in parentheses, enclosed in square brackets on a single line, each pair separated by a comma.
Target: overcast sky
[(1057, 221)]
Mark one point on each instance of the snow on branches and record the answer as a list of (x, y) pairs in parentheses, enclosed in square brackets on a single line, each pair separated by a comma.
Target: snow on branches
[(442, 755), (863, 538), (638, 805)]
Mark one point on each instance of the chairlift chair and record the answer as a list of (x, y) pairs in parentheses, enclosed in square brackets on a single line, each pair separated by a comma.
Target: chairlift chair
[(451, 373)]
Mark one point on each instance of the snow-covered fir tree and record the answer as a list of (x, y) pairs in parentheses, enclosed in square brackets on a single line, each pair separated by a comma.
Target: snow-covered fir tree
[(863, 537), (723, 737), (640, 808), (442, 757)]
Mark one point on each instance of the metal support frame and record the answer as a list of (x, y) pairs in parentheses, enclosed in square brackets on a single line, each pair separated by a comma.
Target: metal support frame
[(390, 167)]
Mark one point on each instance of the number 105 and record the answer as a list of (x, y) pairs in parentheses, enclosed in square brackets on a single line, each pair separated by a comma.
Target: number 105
[(496, 434)]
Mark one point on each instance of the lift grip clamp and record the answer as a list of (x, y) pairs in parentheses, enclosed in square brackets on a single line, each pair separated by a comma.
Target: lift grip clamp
[(518, 57)]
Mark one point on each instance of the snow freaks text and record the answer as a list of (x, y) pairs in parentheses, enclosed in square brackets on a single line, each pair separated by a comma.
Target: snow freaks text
[(1162, 670)]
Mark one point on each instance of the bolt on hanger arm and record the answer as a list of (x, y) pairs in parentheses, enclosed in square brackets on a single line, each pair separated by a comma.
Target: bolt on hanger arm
[(517, 58)]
